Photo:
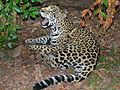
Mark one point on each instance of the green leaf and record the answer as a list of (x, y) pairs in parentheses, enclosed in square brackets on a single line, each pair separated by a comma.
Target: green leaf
[(102, 58), (94, 12), (36, 1), (1, 46), (10, 35), (2, 39), (112, 51), (25, 1), (1, 5), (10, 3), (25, 15), (34, 14), (116, 63), (32, 0), (105, 2), (103, 15), (17, 1), (14, 38), (25, 7), (9, 44), (8, 0), (92, 0), (1, 27), (32, 9), (17, 9)]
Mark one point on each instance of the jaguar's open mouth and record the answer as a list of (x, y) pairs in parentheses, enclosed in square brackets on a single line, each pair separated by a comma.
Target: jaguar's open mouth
[(45, 23)]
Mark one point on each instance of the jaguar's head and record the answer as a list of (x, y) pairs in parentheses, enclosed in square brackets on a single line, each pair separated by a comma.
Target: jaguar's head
[(51, 15)]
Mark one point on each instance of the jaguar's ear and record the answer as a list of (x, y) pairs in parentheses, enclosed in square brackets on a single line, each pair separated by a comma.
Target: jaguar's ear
[(63, 15), (63, 12)]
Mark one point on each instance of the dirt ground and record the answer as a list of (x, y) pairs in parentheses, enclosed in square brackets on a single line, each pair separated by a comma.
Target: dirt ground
[(20, 68)]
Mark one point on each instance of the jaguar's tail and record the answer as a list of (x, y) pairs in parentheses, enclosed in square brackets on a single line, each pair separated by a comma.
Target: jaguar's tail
[(57, 79)]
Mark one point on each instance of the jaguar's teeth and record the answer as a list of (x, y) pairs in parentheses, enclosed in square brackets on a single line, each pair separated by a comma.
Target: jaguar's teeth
[(45, 23)]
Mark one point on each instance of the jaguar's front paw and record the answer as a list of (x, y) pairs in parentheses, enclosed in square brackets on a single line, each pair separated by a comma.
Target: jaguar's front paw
[(29, 41)]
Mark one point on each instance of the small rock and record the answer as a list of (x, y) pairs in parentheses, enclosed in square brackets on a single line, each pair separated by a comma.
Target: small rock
[(16, 52), (32, 57)]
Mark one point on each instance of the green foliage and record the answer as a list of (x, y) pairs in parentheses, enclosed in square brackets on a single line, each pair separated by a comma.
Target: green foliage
[(27, 9), (8, 26), (115, 63), (105, 3), (102, 58), (103, 15), (112, 52), (101, 9), (7, 34), (93, 81)]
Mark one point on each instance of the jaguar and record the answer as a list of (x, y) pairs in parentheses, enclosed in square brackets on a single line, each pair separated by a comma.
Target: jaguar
[(67, 46)]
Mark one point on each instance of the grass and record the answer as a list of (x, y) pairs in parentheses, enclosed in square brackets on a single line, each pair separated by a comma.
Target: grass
[(109, 75)]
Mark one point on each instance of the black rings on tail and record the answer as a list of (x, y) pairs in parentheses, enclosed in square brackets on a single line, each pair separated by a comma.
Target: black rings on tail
[(57, 79)]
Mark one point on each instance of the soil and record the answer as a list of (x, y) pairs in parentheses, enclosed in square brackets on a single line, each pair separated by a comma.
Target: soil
[(20, 68)]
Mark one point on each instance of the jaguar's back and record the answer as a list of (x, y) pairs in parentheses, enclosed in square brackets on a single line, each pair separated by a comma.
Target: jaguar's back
[(67, 46)]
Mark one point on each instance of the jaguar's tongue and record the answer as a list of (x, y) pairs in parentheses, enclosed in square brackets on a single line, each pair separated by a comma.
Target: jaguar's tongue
[(45, 22)]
